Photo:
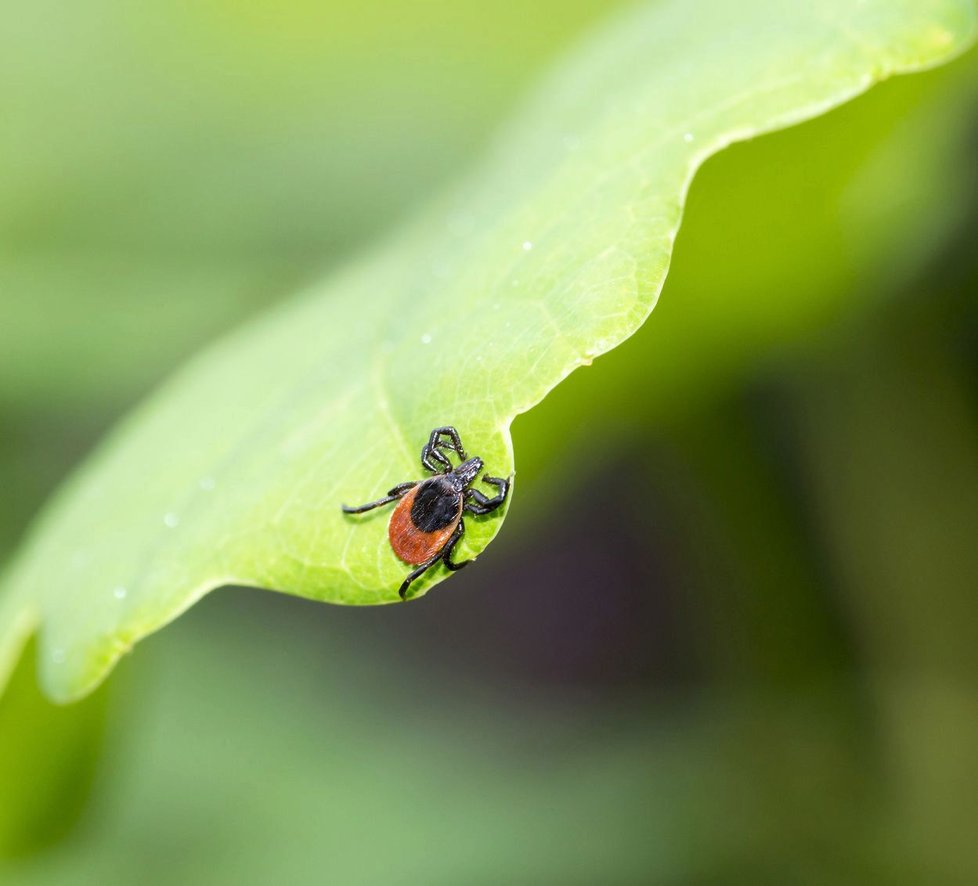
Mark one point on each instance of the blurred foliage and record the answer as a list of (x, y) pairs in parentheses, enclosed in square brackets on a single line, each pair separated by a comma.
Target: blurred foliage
[(218, 785), (783, 687), (41, 800)]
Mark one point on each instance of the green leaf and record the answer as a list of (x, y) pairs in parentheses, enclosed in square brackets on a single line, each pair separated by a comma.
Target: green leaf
[(550, 255), (47, 761)]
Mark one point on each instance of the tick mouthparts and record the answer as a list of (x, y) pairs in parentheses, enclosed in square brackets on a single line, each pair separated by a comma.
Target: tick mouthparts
[(468, 470)]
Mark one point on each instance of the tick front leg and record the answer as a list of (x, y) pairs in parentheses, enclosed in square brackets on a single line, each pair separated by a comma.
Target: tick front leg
[(479, 504), (455, 440), (429, 453), (393, 495), (432, 449)]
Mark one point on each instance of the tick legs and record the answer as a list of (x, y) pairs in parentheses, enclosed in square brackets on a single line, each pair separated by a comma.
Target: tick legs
[(444, 554), (432, 450), (478, 504), (392, 495)]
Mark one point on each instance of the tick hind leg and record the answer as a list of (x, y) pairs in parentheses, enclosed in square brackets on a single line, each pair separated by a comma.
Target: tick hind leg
[(431, 452), (444, 555), (417, 573), (479, 504), (393, 495)]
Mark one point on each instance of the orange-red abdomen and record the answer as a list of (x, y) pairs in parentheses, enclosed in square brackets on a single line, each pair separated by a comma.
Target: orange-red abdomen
[(424, 520)]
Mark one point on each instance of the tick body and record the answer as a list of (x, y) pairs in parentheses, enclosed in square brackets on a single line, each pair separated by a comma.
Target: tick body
[(428, 520), (424, 520)]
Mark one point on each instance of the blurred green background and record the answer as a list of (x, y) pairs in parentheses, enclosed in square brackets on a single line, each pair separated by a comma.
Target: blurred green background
[(728, 633)]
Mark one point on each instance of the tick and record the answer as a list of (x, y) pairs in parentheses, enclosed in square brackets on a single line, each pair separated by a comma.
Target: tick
[(427, 522)]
